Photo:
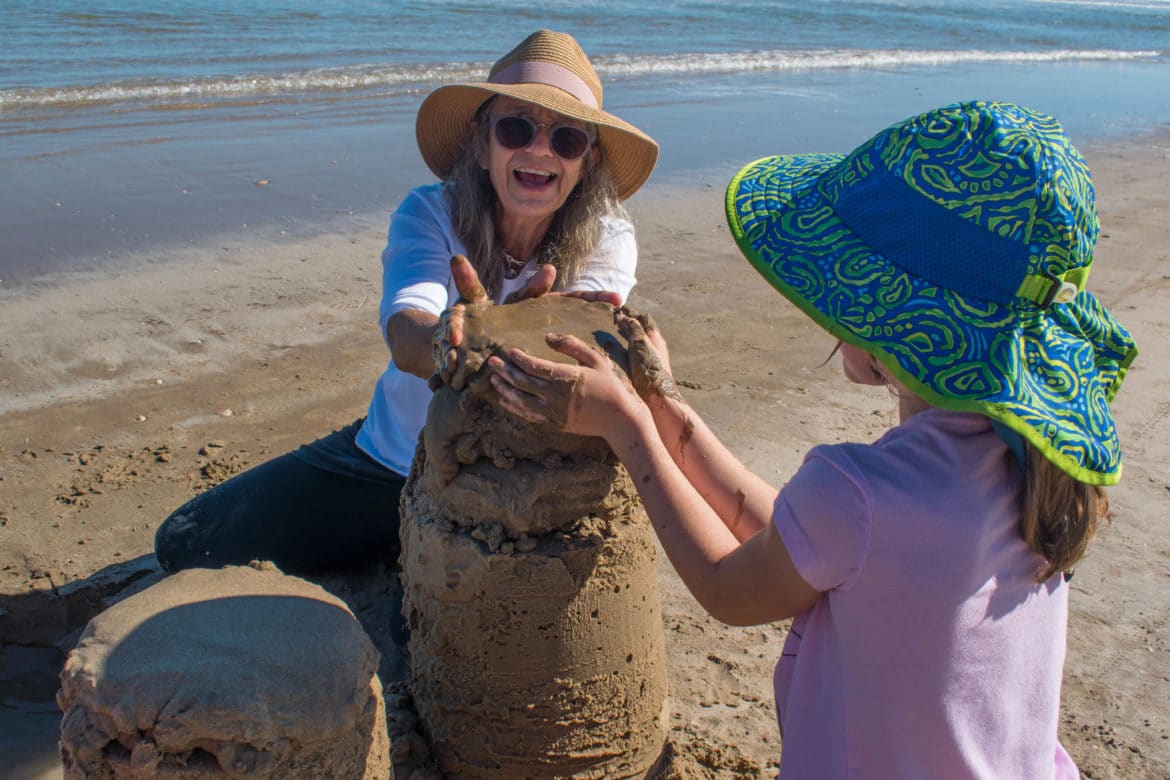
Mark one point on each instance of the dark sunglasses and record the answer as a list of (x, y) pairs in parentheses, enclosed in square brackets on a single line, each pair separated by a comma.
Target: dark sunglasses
[(516, 132)]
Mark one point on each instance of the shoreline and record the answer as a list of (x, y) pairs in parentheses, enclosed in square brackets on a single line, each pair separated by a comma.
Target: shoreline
[(87, 194), (282, 334)]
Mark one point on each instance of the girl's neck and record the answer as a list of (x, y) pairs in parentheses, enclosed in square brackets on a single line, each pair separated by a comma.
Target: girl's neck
[(908, 403)]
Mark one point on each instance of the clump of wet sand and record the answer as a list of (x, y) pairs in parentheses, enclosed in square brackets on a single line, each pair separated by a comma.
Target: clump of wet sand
[(235, 672)]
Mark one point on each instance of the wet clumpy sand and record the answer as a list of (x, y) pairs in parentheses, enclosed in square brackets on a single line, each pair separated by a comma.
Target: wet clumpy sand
[(235, 672), (530, 575)]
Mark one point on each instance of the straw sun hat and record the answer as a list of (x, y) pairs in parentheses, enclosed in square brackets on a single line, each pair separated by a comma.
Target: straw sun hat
[(954, 246), (548, 69)]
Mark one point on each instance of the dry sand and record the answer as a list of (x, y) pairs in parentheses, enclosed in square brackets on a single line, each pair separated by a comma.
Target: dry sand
[(122, 397)]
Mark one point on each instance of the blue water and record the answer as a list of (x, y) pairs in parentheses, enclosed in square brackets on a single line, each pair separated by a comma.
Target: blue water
[(131, 124)]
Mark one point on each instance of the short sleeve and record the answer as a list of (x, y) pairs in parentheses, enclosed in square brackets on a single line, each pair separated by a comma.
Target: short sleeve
[(825, 518), (614, 263), (416, 263)]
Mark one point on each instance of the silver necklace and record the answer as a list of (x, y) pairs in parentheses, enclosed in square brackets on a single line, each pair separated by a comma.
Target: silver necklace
[(512, 266)]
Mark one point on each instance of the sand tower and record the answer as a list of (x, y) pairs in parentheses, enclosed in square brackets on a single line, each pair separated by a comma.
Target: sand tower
[(530, 581), (236, 672)]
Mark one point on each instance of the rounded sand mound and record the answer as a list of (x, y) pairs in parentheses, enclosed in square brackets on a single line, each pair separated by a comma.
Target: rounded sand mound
[(236, 672)]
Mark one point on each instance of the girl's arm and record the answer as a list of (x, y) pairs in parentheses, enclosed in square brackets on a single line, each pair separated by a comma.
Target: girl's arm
[(738, 582), (742, 500)]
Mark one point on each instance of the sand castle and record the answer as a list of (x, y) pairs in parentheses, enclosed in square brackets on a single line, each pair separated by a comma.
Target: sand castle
[(536, 647), (210, 673)]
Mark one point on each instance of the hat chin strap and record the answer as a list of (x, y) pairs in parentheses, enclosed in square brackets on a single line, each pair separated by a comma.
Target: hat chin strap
[(549, 73)]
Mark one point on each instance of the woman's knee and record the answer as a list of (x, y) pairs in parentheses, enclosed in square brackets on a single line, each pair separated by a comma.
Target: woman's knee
[(177, 540), (169, 542)]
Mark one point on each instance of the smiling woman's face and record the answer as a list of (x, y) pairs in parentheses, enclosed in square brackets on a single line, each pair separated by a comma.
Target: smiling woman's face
[(533, 182)]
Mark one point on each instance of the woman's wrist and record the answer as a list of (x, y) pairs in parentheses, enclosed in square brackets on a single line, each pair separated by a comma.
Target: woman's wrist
[(411, 336)]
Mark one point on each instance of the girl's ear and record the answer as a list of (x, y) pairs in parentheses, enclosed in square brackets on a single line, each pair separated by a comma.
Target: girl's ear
[(860, 366)]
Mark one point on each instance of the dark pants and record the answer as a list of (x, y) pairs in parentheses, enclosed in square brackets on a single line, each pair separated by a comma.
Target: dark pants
[(327, 505)]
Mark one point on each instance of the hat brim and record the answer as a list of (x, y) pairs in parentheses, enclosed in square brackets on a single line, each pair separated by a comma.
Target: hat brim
[(441, 129), (1049, 377)]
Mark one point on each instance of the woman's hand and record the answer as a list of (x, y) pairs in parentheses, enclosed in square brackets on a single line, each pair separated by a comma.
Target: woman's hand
[(448, 336), (592, 398), (648, 356), (541, 284)]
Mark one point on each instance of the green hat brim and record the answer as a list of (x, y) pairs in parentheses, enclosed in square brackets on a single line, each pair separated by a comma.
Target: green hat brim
[(1048, 374)]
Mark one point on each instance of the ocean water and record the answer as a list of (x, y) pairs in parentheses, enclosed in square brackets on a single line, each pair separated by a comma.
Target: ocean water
[(130, 125)]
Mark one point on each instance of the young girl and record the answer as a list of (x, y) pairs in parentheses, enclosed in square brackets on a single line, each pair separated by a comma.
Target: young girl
[(926, 571)]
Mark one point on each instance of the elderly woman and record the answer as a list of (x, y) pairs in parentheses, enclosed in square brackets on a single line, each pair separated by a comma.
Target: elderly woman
[(533, 174)]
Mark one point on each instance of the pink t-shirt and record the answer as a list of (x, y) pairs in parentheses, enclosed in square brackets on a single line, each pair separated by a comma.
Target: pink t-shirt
[(933, 652)]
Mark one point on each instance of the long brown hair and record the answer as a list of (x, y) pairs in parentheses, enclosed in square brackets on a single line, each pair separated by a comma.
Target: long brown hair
[(1061, 515), (571, 238)]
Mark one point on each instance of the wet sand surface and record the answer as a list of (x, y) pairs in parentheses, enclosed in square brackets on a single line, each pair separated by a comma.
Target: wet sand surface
[(124, 394)]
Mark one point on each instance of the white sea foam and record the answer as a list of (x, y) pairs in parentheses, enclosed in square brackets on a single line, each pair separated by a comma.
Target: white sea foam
[(314, 80), (421, 77), (1144, 5), (824, 59)]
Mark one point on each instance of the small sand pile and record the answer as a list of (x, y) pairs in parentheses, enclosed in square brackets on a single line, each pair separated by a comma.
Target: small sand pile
[(236, 672), (530, 573)]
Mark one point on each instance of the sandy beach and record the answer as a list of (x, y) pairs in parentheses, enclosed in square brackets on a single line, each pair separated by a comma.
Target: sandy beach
[(123, 394)]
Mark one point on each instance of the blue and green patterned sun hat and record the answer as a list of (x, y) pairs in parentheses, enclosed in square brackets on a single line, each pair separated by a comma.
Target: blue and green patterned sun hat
[(954, 246)]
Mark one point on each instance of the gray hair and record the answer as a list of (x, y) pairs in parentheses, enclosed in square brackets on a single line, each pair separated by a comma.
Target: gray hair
[(571, 238)]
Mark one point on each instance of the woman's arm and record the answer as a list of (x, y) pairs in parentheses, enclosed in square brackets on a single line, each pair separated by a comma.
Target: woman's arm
[(422, 343), (411, 335), (416, 274)]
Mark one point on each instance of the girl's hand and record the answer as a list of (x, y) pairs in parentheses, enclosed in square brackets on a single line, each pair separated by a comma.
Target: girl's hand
[(649, 357), (591, 399)]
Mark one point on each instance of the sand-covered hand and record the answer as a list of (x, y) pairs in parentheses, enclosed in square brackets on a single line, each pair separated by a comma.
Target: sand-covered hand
[(649, 360), (448, 338)]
